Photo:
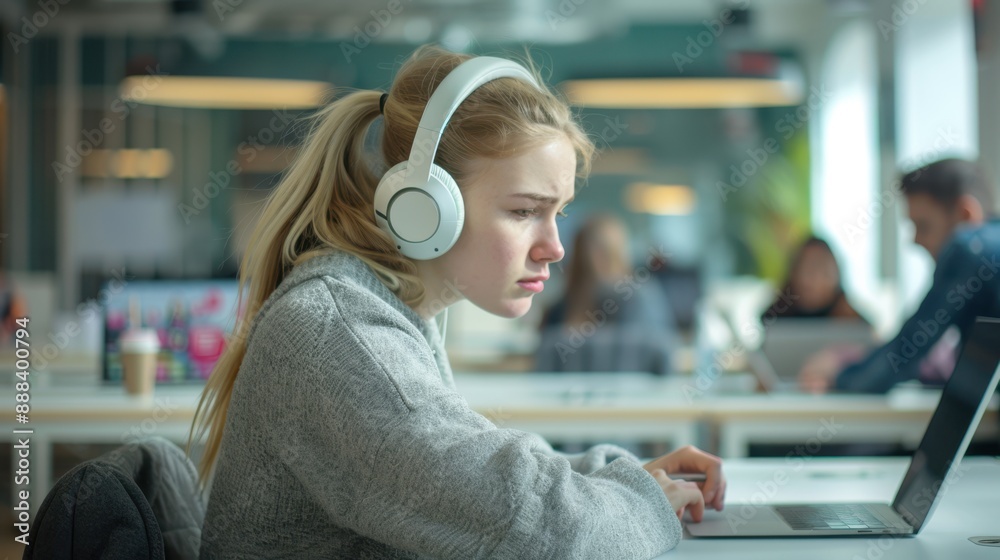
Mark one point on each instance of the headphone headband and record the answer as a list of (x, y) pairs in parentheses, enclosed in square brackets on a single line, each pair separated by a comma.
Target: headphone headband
[(450, 93), (418, 204)]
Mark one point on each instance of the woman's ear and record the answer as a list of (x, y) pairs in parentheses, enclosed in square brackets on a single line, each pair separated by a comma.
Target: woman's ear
[(970, 210)]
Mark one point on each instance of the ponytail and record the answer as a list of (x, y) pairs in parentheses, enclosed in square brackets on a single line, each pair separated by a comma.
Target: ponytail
[(323, 203)]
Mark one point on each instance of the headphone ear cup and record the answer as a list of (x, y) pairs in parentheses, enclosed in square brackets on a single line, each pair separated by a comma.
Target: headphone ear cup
[(388, 186), (423, 220), (452, 207)]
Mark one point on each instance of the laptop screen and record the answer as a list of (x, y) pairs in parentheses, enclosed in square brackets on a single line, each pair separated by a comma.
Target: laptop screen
[(789, 342), (935, 463)]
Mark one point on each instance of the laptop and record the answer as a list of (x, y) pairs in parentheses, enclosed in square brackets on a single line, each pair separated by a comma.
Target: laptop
[(963, 402), (789, 342)]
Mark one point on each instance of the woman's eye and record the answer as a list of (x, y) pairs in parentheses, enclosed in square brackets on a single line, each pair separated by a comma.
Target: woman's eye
[(526, 213)]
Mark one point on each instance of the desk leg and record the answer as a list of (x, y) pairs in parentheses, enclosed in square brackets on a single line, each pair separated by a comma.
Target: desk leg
[(733, 443)]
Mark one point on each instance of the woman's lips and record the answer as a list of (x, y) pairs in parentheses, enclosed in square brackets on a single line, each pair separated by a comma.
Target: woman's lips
[(535, 286)]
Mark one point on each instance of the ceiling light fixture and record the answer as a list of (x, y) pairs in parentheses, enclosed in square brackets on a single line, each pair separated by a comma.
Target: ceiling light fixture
[(683, 93), (224, 93), (661, 200)]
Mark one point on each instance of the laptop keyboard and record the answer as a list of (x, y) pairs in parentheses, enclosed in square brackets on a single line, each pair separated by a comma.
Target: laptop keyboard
[(833, 516)]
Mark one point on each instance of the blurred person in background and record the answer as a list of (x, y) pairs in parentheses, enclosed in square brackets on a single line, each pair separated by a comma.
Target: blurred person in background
[(814, 290), (950, 203), (813, 287), (613, 317)]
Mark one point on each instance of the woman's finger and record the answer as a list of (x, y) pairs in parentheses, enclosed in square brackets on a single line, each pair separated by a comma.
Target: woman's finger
[(695, 501), (720, 497)]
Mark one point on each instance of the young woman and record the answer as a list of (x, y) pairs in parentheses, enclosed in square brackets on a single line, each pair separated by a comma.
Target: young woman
[(814, 290), (813, 286), (607, 320), (334, 429)]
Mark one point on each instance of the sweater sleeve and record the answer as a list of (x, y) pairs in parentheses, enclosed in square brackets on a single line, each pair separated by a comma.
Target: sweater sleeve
[(588, 461), (372, 436)]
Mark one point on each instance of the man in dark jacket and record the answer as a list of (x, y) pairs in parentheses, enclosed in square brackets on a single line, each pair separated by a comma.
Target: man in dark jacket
[(951, 204)]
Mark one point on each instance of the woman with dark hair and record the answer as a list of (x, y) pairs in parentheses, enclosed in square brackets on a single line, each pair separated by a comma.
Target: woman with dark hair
[(599, 259), (814, 287)]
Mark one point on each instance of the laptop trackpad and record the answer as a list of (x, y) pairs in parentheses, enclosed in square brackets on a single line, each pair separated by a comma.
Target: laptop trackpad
[(744, 520)]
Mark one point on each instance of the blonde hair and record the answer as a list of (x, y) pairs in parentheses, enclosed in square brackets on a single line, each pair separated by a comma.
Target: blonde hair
[(325, 200)]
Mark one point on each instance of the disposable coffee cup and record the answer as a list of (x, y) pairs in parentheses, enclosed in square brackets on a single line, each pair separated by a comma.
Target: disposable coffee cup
[(139, 349)]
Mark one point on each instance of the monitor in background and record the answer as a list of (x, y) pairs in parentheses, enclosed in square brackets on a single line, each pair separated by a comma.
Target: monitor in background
[(193, 318)]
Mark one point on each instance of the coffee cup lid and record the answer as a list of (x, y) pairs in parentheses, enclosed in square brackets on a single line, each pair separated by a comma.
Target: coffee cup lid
[(139, 340)]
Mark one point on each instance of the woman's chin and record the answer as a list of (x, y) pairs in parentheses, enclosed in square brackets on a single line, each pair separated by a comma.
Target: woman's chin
[(507, 308)]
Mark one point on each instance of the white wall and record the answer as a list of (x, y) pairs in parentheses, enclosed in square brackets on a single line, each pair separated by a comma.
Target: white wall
[(936, 111), (935, 115)]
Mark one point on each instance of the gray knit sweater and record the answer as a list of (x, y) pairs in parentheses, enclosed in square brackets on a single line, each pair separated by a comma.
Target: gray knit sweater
[(346, 438)]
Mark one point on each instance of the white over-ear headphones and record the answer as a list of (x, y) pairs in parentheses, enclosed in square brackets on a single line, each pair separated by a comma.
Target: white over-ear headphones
[(417, 202)]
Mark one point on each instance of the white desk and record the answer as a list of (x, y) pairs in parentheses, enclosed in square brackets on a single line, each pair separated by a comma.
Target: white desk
[(815, 420), (560, 407), (586, 407), (969, 507), (636, 407)]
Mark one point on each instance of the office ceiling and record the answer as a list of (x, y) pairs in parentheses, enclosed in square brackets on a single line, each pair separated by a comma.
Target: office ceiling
[(776, 22)]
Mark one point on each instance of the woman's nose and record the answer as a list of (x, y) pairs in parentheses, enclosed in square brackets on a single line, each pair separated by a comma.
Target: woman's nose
[(548, 248)]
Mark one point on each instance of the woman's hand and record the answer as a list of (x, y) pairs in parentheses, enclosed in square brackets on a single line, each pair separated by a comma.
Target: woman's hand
[(690, 459), (681, 495)]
